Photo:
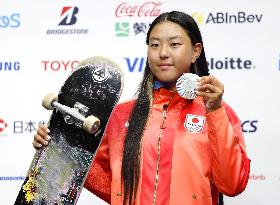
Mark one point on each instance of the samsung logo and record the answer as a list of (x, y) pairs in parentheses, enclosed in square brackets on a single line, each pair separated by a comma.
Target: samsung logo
[(9, 66)]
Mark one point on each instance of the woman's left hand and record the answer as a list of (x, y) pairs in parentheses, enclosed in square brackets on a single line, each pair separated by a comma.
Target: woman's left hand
[(211, 89)]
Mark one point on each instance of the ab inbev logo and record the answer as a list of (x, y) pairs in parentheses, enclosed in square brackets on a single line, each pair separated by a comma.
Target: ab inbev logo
[(239, 17), (257, 177), (3, 126), (68, 17)]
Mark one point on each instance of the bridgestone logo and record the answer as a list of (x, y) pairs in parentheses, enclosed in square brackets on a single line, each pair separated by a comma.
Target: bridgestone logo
[(66, 31)]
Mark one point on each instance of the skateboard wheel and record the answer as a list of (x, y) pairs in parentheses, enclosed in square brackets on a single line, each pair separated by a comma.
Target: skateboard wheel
[(48, 100), (91, 124)]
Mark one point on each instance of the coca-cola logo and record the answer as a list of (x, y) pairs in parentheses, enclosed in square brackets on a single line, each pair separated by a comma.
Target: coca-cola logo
[(149, 8)]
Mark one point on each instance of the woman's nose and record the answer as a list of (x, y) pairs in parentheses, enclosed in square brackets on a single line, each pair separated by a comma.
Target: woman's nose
[(164, 51)]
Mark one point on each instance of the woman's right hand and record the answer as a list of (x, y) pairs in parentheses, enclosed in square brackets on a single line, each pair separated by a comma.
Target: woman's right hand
[(41, 137)]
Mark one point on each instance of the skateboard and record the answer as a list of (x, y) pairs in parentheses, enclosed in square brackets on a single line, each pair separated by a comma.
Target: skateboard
[(80, 114)]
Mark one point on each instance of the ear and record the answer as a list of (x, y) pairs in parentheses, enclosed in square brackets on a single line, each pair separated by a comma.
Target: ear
[(196, 51)]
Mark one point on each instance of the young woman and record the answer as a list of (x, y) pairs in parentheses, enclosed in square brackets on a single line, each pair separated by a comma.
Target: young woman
[(151, 154)]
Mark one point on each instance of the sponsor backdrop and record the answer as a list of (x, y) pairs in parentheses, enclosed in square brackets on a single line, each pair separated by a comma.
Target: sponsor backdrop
[(42, 41)]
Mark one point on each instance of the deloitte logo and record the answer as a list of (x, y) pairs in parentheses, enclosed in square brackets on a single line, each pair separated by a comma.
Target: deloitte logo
[(230, 63), (227, 18)]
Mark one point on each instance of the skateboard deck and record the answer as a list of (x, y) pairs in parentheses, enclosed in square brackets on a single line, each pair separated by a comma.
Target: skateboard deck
[(58, 171)]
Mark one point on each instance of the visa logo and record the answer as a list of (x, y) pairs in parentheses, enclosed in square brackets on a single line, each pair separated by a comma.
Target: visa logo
[(135, 64)]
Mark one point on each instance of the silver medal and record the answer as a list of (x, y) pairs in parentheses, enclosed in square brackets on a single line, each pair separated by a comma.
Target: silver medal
[(187, 84)]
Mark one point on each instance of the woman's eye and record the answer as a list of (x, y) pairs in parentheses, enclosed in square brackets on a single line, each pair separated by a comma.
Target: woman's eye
[(154, 44), (175, 44)]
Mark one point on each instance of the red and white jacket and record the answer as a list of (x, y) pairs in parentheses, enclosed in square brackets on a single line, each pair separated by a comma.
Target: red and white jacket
[(187, 156)]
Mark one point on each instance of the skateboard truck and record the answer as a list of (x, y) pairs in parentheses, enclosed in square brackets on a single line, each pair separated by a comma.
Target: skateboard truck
[(74, 115)]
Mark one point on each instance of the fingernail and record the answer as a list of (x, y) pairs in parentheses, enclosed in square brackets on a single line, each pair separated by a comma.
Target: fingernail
[(39, 145), (48, 131), (48, 138), (46, 143)]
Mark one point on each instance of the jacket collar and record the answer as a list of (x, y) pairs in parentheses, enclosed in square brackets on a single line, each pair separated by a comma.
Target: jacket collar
[(162, 95)]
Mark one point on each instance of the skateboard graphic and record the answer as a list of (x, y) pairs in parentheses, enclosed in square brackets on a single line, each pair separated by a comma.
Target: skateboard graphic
[(77, 123)]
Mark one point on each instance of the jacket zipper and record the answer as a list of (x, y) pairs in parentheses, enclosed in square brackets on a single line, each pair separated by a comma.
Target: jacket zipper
[(162, 127)]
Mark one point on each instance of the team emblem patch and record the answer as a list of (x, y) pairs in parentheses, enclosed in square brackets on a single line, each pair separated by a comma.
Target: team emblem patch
[(194, 123)]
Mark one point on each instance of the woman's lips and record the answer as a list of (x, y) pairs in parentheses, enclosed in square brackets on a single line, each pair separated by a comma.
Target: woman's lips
[(165, 66)]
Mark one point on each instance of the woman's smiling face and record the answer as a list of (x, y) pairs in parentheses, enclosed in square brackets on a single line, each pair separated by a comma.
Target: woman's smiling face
[(170, 52)]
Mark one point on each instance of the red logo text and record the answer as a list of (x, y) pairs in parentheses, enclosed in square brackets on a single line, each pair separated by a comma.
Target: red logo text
[(57, 65), (149, 8)]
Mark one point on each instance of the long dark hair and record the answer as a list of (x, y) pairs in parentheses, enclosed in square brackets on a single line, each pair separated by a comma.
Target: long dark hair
[(140, 112)]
